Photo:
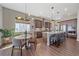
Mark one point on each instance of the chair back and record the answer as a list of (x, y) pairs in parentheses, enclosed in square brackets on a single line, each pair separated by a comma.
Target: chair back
[(62, 37), (16, 42)]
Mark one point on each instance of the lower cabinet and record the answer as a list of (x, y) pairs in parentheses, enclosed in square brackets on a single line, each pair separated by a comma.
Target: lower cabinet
[(39, 34)]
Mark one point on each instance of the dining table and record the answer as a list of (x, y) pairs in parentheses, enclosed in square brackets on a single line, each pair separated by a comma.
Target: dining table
[(23, 38)]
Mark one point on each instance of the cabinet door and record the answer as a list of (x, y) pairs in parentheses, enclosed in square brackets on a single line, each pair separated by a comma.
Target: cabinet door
[(47, 25), (39, 34), (38, 24)]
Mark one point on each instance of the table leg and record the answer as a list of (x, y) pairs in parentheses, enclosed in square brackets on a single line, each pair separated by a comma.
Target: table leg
[(27, 44)]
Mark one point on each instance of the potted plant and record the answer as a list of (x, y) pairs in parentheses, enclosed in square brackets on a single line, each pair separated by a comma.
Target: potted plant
[(6, 35)]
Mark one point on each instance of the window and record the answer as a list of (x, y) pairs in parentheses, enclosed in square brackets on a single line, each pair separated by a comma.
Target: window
[(21, 27), (63, 28), (71, 27)]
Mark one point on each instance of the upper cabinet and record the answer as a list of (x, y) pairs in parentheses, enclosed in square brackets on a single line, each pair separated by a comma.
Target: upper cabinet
[(47, 25), (38, 24)]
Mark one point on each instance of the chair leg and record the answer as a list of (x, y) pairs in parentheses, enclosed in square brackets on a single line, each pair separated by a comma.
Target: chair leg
[(12, 51), (57, 43), (35, 45), (21, 51)]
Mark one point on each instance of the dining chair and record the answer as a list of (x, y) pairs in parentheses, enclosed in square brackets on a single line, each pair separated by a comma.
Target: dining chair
[(17, 44), (57, 42), (52, 39), (62, 37), (33, 41)]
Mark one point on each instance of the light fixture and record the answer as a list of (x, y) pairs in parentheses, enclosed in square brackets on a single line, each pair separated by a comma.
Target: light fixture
[(27, 16), (19, 18), (52, 12), (52, 7)]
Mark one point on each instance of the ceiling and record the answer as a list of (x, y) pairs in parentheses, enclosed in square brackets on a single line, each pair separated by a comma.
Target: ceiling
[(61, 11)]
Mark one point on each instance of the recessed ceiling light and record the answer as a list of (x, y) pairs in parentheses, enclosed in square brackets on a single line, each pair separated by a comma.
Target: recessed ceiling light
[(52, 7)]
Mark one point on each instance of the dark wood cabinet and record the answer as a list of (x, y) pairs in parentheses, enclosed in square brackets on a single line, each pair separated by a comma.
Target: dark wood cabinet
[(38, 24), (47, 25), (39, 34)]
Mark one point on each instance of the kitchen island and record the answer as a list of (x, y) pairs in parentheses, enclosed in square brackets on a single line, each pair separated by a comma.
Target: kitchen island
[(48, 34)]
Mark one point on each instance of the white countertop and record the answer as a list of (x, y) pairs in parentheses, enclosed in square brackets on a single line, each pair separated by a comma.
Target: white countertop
[(52, 32)]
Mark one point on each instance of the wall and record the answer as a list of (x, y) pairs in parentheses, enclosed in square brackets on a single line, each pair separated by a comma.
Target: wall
[(9, 18), (1, 25), (78, 26), (70, 23)]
